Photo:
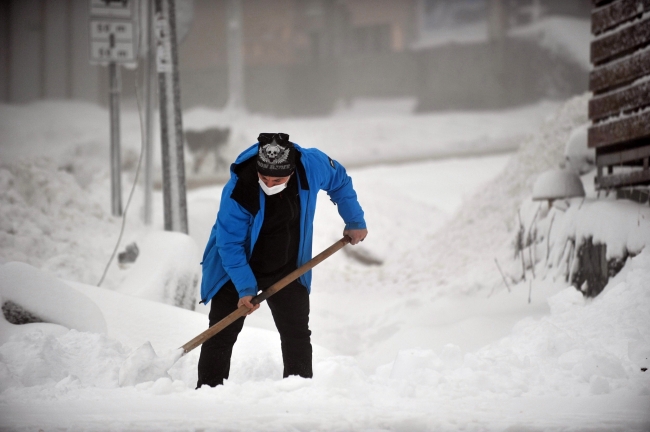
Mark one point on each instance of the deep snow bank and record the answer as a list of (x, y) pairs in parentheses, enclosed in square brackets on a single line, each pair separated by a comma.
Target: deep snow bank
[(461, 255), (167, 270), (55, 180), (553, 241), (584, 359), (565, 36), (583, 349), (48, 220), (97, 329), (47, 299)]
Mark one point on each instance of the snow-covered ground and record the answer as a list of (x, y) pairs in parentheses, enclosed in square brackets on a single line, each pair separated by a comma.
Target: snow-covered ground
[(429, 339)]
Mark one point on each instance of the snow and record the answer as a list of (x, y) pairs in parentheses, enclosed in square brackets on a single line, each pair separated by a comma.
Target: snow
[(579, 157), (622, 226), (47, 297), (430, 339), (168, 261), (475, 32), (144, 365), (624, 24), (557, 183), (570, 37), (376, 131)]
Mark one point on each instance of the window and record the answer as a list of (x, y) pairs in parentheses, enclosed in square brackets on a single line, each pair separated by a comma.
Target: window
[(371, 39), (443, 14)]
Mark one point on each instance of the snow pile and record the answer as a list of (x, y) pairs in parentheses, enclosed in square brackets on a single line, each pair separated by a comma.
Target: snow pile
[(424, 341), (50, 128), (539, 152), (64, 228), (74, 346), (50, 222), (166, 270), (73, 136), (600, 345), (69, 343), (144, 365), (557, 183), (360, 136), (582, 348), (551, 237), (624, 226), (45, 297), (42, 362), (467, 33), (578, 156), (565, 36), (482, 229)]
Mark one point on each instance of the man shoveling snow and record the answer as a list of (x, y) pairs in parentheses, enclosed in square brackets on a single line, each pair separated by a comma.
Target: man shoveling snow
[(264, 232)]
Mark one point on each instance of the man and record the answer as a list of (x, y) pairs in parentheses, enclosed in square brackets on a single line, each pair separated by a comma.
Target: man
[(263, 232)]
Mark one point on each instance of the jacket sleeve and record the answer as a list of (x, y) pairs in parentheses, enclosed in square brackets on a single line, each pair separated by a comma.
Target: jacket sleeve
[(233, 229), (338, 185)]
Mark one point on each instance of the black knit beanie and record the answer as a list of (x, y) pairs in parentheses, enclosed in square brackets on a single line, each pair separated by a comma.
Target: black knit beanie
[(276, 155)]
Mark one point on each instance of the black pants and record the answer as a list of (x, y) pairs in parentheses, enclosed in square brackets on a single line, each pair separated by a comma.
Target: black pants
[(290, 309)]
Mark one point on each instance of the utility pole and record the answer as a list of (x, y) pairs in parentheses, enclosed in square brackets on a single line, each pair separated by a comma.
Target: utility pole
[(497, 35), (116, 170), (171, 125), (235, 57), (113, 27), (497, 21), (150, 81)]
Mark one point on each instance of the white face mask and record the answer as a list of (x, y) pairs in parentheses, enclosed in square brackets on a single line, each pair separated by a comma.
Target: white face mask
[(273, 189)]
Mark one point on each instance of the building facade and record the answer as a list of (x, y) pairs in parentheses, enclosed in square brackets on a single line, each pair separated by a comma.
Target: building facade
[(305, 56)]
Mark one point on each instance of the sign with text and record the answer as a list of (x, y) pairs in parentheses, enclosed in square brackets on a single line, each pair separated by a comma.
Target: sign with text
[(103, 30), (113, 32), (111, 8), (119, 52)]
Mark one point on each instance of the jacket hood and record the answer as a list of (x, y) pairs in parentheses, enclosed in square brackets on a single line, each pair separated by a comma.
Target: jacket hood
[(245, 155)]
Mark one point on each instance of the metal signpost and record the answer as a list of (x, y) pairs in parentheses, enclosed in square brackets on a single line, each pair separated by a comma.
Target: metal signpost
[(235, 57), (171, 126), (150, 90), (112, 42)]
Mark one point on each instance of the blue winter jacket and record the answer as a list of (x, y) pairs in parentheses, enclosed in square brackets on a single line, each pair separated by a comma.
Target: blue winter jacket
[(238, 225)]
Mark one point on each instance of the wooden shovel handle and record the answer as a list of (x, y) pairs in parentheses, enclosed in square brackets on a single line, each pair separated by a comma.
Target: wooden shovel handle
[(243, 310)]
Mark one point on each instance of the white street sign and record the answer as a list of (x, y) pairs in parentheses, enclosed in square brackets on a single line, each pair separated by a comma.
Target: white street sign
[(103, 29), (163, 45), (113, 31), (111, 8), (120, 52), (112, 40)]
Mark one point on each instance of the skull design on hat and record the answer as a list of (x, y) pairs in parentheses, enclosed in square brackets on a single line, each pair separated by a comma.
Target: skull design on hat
[(274, 153)]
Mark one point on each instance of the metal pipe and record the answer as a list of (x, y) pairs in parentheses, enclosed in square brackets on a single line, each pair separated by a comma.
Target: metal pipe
[(114, 106), (171, 126), (151, 76)]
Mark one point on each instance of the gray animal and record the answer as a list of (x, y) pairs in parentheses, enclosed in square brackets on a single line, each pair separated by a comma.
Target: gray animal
[(201, 143)]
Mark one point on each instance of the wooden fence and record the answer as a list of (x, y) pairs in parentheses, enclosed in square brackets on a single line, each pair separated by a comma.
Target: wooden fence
[(620, 82)]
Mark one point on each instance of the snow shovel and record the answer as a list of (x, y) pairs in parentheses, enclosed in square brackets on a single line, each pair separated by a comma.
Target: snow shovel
[(144, 365)]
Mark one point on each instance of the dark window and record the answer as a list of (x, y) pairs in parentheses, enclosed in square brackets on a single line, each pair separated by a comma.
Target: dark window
[(371, 39), (439, 14)]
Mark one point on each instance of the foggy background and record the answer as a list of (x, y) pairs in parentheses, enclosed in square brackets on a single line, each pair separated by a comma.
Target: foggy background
[(312, 57), (461, 123)]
